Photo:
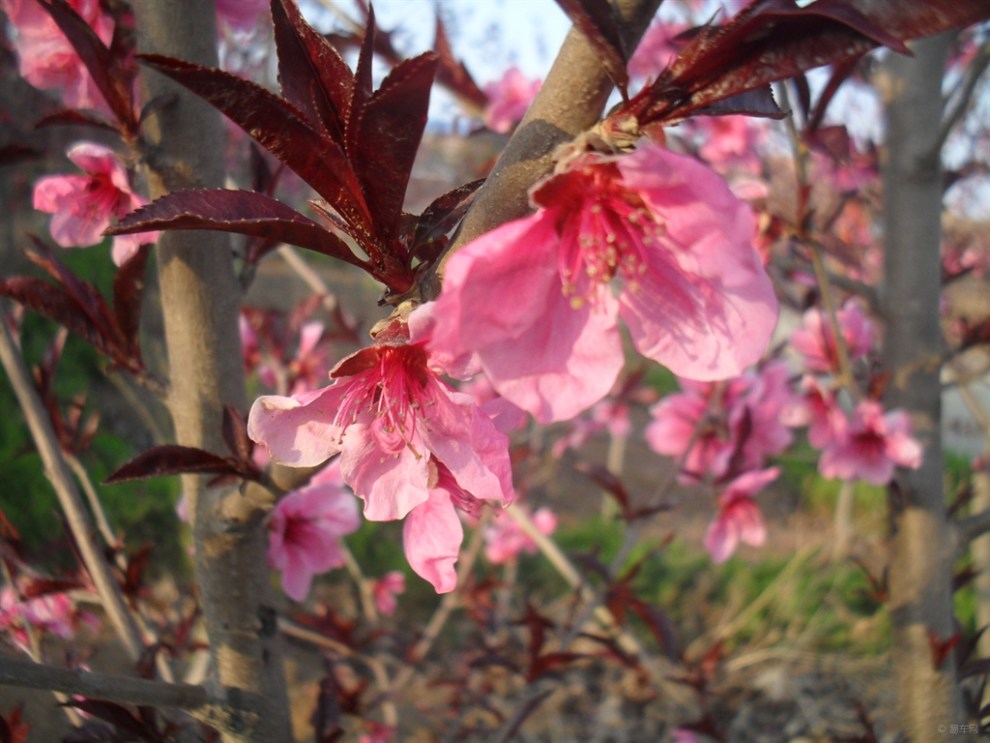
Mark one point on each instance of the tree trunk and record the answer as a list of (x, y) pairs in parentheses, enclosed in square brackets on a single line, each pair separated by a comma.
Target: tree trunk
[(200, 299), (921, 552)]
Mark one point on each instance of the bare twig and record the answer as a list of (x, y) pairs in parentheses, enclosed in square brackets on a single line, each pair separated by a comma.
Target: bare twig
[(59, 475), (976, 69)]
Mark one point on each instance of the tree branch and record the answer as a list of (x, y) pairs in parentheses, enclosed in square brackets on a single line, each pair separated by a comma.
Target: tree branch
[(570, 102), (126, 690)]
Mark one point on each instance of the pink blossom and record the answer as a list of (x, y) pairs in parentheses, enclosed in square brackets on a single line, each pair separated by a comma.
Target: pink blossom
[(386, 590), (411, 447), (47, 60), (85, 205), (716, 428), (818, 408), (505, 540), (506, 416), (241, 15), (695, 296), (739, 518), (731, 142), (869, 444), (656, 51), (606, 415), (508, 100), (305, 528), (815, 340), (52, 612)]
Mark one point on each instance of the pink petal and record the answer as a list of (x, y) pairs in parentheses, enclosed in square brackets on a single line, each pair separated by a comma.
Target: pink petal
[(704, 307), (298, 431), (502, 300), (432, 535), (390, 483)]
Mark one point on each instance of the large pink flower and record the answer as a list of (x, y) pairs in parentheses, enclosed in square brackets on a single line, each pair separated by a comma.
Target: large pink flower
[(531, 302), (85, 205), (739, 518), (305, 528), (47, 60), (869, 444), (816, 342), (410, 446)]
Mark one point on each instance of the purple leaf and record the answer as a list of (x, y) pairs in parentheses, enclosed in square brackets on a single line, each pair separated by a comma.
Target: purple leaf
[(128, 287), (361, 89), (86, 296), (242, 212), (281, 129), (452, 73), (119, 716), (388, 136), (314, 77), (70, 117), (172, 459), (57, 305), (105, 67), (757, 102), (775, 39), (596, 20), (439, 218), (235, 433)]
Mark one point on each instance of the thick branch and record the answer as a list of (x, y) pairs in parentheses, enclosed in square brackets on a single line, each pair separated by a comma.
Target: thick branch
[(123, 689), (200, 299), (571, 101), (921, 549), (59, 475)]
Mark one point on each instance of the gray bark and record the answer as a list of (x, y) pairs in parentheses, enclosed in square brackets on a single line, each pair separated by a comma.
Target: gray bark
[(921, 553), (200, 299)]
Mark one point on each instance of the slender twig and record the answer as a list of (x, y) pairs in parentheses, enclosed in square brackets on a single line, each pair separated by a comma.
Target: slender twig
[(65, 488), (976, 69), (310, 277), (863, 291), (362, 583)]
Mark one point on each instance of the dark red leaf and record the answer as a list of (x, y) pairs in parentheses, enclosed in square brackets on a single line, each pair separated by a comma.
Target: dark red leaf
[(388, 136), (36, 587), (106, 69), (775, 39), (452, 73), (118, 716), (314, 77), (281, 129), (235, 433), (74, 118), (86, 296), (172, 460), (55, 303), (128, 288), (361, 88), (552, 661), (940, 649), (757, 102), (242, 212), (444, 213), (13, 154), (608, 482), (597, 21), (841, 71)]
